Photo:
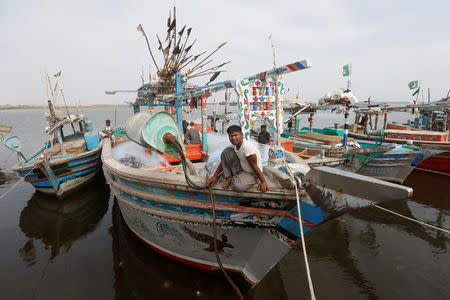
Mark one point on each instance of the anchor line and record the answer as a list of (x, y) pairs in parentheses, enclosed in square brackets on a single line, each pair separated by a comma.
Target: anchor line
[(22, 179), (302, 235), (411, 219), (216, 252)]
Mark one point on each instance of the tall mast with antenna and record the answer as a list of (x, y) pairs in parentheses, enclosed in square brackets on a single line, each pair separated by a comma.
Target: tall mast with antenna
[(277, 97)]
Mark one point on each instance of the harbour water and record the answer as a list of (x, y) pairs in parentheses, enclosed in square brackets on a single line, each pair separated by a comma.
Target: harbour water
[(81, 248)]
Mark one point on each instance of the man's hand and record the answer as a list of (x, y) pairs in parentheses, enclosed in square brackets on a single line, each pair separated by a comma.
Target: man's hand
[(263, 187), (227, 183), (211, 180)]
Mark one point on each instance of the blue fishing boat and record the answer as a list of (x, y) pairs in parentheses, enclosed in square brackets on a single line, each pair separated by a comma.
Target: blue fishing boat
[(66, 161), (170, 208), (324, 147)]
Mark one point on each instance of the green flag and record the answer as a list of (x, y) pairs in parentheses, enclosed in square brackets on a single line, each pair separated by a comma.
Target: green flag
[(413, 84), (415, 93), (347, 70)]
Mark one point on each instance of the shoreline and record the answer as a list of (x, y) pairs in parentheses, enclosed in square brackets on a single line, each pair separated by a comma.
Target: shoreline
[(32, 106)]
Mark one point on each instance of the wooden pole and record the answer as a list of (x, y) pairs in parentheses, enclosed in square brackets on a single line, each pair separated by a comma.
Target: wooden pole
[(67, 110), (355, 125), (204, 126), (277, 111), (178, 103), (148, 45)]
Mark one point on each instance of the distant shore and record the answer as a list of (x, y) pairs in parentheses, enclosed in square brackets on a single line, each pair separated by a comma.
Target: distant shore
[(33, 106)]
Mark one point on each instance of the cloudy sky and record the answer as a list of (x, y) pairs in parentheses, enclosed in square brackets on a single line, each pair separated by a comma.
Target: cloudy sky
[(97, 46)]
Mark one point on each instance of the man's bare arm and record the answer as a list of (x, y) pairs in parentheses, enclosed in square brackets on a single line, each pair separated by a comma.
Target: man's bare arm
[(213, 179), (253, 162)]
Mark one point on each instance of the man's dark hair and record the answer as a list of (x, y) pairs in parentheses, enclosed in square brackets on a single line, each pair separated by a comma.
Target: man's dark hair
[(234, 128), (108, 121), (263, 126)]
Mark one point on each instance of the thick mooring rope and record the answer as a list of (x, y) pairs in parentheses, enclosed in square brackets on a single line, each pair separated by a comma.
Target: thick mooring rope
[(302, 235)]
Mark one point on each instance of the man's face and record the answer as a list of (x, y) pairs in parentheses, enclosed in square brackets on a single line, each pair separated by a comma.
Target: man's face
[(236, 137), (108, 123), (263, 129)]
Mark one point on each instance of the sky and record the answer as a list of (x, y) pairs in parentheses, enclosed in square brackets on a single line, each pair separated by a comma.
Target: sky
[(97, 46)]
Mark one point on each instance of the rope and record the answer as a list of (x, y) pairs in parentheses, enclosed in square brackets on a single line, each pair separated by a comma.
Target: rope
[(414, 220), (216, 251), (302, 236), (184, 159), (23, 178)]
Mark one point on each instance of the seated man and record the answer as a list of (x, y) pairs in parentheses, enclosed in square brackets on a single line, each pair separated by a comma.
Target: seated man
[(192, 135), (241, 164), (107, 131), (264, 135)]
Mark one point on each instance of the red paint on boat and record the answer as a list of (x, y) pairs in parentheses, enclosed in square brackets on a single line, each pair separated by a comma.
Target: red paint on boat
[(439, 163), (197, 265)]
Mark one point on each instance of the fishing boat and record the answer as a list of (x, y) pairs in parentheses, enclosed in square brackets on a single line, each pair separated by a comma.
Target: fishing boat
[(166, 210), (66, 161), (435, 144), (325, 147), (170, 208)]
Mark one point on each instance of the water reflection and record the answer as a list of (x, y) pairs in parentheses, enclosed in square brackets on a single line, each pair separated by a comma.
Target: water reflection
[(411, 209), (6, 177), (141, 273), (58, 224)]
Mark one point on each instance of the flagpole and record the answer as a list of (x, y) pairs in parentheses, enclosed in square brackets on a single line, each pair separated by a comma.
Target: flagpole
[(418, 92)]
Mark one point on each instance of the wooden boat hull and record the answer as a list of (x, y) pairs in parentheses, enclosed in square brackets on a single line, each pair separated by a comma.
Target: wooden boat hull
[(390, 166), (249, 251), (177, 223), (255, 230), (393, 165), (71, 172), (437, 162)]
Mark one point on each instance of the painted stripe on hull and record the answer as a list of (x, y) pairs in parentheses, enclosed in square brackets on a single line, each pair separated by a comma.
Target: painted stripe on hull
[(46, 183), (439, 164), (183, 203), (62, 176), (192, 263), (250, 251), (68, 187)]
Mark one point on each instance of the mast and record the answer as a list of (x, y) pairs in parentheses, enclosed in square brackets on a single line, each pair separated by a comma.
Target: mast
[(277, 96)]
